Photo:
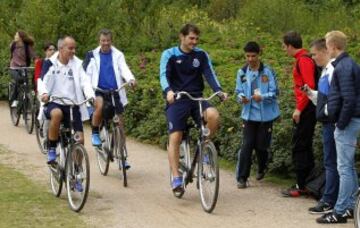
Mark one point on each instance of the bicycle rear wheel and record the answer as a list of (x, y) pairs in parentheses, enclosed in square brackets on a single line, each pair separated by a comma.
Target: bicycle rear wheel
[(208, 174), (357, 211), (102, 154), (56, 177), (28, 113), (77, 171), (120, 149), (14, 111)]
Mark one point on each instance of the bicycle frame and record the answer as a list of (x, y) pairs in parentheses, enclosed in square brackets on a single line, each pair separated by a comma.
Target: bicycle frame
[(204, 131)]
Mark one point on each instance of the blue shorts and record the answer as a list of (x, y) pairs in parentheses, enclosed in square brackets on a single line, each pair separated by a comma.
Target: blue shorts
[(77, 124), (177, 113), (108, 109)]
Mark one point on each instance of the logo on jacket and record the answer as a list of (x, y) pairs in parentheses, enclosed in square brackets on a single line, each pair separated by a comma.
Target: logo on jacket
[(196, 63), (179, 61)]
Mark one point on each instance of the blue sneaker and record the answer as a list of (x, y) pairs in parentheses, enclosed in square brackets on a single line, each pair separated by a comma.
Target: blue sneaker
[(51, 156), (78, 186), (206, 159), (95, 139), (177, 184)]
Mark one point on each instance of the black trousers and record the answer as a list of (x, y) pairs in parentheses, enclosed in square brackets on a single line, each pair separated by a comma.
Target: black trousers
[(302, 144), (256, 136)]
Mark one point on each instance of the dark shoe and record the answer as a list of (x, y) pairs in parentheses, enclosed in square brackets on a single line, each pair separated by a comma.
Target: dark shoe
[(260, 176), (321, 208), (294, 191), (241, 183), (349, 214), (331, 218)]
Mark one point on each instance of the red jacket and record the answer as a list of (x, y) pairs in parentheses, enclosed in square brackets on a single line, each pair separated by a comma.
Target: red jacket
[(38, 66), (306, 76)]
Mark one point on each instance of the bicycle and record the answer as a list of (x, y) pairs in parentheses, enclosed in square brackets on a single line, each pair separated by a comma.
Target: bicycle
[(357, 210), (113, 138), (72, 163), (40, 129), (204, 161), (24, 97)]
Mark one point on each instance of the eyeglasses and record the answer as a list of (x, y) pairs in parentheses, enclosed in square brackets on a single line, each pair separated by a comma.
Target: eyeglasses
[(51, 49)]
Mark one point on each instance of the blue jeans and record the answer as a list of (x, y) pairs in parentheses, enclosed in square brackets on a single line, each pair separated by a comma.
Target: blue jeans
[(331, 174), (345, 146)]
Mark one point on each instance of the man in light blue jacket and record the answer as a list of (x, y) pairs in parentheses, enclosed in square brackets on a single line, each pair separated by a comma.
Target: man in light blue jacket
[(256, 89)]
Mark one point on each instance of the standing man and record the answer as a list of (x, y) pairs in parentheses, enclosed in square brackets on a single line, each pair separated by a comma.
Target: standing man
[(344, 108), (256, 89), (182, 69), (63, 76), (107, 69), (304, 114), (320, 98)]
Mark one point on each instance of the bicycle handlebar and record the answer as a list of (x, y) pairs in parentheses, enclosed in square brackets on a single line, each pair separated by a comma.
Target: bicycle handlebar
[(178, 95), (63, 99), (112, 90), (20, 68)]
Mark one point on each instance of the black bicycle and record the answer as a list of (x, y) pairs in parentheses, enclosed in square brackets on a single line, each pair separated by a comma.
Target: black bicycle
[(41, 127), (72, 163), (24, 98), (112, 136), (204, 163), (357, 210)]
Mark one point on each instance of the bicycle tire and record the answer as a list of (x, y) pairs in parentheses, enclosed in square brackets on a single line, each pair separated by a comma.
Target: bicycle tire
[(56, 178), (357, 212), (78, 151), (208, 172), (28, 113), (14, 113), (39, 138), (102, 155), (121, 151)]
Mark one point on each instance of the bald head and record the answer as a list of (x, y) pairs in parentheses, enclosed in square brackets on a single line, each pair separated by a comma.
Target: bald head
[(67, 47)]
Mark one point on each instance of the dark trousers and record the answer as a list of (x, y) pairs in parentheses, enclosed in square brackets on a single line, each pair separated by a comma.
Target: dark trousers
[(256, 136), (17, 80), (331, 174), (302, 148)]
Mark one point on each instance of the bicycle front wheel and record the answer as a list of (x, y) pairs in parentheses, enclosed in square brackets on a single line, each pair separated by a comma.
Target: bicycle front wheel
[(120, 149), (77, 171), (357, 211), (28, 111), (102, 154), (14, 113), (208, 174), (40, 135)]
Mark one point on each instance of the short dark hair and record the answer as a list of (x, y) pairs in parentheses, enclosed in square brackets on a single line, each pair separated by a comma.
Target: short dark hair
[(47, 45), (252, 46), (105, 32), (293, 38), (189, 28), (319, 44)]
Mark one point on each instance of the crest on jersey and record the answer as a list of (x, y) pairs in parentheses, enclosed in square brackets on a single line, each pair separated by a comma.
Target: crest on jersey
[(196, 63)]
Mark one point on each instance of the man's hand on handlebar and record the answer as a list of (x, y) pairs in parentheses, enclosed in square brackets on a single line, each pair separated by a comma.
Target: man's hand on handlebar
[(45, 98), (222, 96)]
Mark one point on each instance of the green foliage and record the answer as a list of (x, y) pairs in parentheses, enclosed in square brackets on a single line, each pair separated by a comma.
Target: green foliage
[(143, 28)]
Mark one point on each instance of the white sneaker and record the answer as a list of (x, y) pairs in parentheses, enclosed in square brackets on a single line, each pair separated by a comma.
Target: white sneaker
[(14, 104)]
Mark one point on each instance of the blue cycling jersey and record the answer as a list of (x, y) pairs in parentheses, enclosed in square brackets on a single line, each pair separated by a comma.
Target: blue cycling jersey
[(180, 71)]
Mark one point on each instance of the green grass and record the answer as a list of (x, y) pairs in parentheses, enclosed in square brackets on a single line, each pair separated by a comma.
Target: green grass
[(23, 203)]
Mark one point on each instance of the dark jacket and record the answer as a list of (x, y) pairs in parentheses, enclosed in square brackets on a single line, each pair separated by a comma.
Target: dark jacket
[(344, 99)]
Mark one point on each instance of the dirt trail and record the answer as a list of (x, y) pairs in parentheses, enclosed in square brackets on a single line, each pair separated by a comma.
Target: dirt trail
[(148, 201)]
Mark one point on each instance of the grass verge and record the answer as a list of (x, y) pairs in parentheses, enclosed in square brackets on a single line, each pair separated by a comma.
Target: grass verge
[(23, 203)]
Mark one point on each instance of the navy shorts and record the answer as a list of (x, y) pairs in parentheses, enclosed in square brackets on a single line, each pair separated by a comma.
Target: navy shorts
[(108, 108), (77, 124), (178, 112)]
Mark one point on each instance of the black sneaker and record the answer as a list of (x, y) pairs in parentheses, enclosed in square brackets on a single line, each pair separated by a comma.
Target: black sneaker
[(331, 217), (349, 213), (321, 208), (241, 183), (260, 176)]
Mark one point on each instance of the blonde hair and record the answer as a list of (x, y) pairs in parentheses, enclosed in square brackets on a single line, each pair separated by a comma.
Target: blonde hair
[(337, 38)]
